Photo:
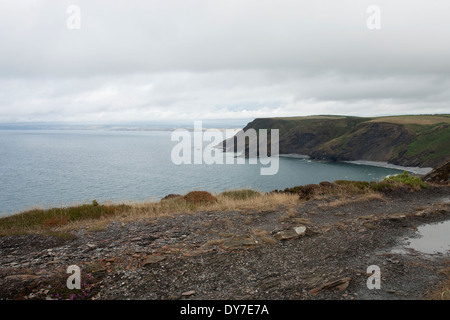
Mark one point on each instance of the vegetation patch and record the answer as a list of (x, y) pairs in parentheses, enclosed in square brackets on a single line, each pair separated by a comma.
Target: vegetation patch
[(367, 197), (363, 190), (406, 179), (199, 197), (264, 236), (240, 194), (171, 196), (47, 219), (431, 142), (327, 189), (292, 190), (382, 186)]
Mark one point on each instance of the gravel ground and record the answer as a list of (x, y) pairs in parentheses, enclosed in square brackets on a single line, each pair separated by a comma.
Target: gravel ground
[(319, 250)]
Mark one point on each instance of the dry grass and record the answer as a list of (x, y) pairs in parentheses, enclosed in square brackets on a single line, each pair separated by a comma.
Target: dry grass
[(347, 188), (302, 221), (72, 218), (215, 242), (264, 236), (171, 207), (342, 190), (443, 292), (371, 196), (263, 202), (291, 213)]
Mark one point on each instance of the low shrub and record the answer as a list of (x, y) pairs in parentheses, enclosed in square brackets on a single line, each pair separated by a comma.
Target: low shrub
[(382, 186), (309, 191), (293, 190), (199, 197), (407, 179), (400, 181), (171, 196)]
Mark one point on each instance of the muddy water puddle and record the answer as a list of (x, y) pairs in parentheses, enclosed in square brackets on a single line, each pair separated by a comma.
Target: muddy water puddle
[(429, 239)]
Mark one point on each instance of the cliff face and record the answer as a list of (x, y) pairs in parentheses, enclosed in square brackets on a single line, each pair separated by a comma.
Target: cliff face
[(368, 141), (440, 175), (422, 141)]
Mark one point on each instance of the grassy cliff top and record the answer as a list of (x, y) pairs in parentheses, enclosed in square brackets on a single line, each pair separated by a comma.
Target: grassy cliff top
[(415, 119), (425, 119), (407, 140)]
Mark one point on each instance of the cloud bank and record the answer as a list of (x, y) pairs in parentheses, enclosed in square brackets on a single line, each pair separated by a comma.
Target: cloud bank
[(222, 59)]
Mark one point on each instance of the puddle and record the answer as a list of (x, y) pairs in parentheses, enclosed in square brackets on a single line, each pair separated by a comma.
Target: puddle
[(431, 239)]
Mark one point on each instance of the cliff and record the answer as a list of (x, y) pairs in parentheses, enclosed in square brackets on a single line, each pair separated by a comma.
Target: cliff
[(412, 141)]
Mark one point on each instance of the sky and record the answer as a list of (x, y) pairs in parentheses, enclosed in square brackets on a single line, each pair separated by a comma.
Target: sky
[(170, 60)]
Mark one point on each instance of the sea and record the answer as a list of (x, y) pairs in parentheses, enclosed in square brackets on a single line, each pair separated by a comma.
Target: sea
[(58, 168)]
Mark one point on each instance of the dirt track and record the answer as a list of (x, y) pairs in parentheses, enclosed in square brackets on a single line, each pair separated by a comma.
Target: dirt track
[(235, 255)]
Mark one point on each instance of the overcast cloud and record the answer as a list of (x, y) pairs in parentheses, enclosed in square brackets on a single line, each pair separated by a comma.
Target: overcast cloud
[(212, 59)]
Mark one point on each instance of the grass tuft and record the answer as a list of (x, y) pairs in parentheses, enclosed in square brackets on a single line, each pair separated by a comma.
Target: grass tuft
[(242, 194)]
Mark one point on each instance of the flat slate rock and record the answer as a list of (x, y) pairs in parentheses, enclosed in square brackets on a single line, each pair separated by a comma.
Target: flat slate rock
[(153, 259)]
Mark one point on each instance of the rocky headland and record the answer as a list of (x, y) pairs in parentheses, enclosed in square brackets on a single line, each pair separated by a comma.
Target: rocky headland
[(408, 141)]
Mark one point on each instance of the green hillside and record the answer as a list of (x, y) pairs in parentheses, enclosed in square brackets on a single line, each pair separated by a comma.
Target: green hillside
[(411, 140)]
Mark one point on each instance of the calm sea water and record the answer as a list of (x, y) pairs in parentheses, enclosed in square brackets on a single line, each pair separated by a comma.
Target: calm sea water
[(60, 167)]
